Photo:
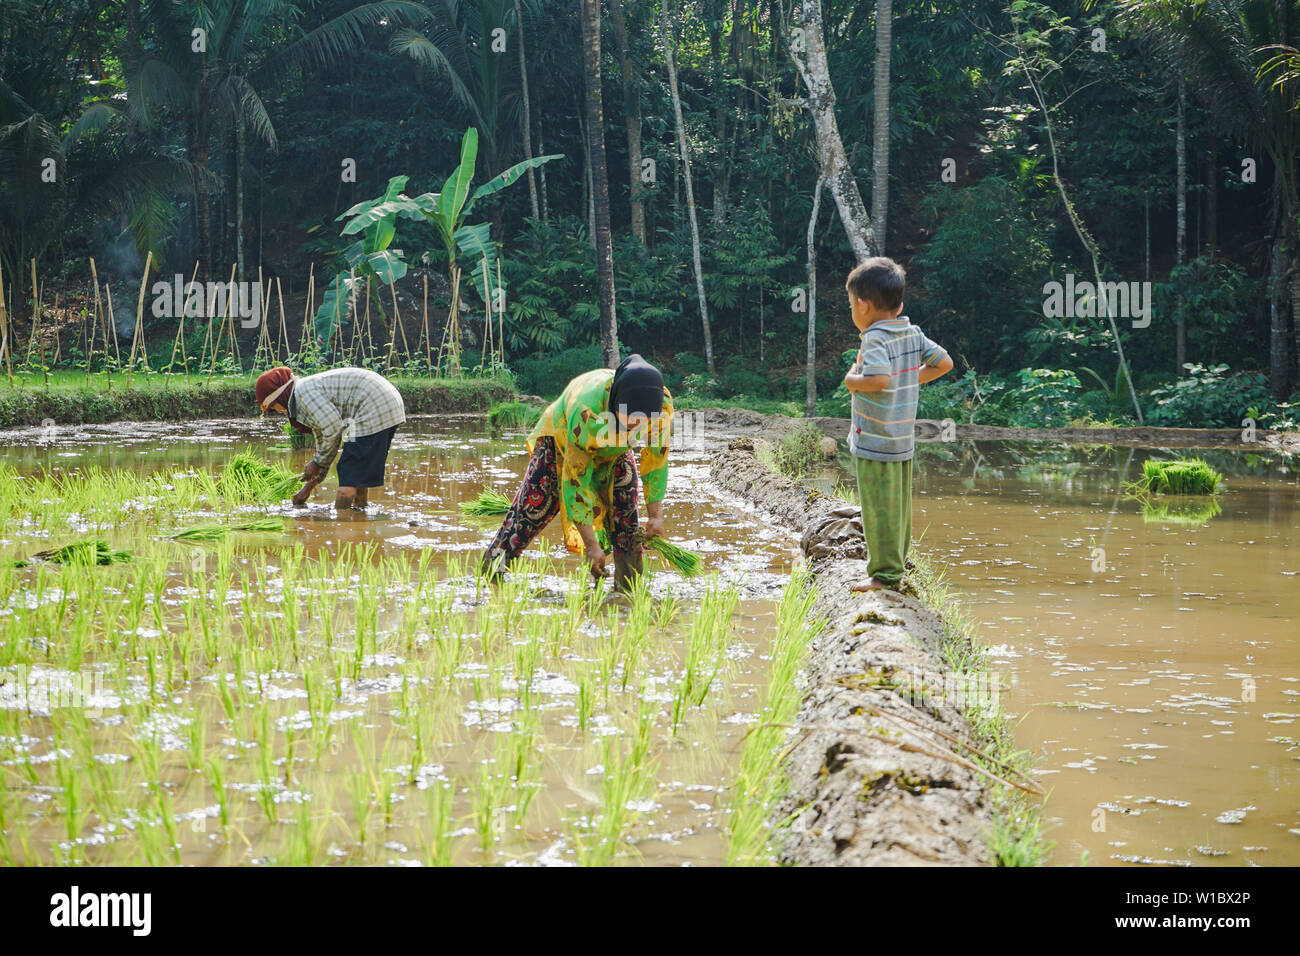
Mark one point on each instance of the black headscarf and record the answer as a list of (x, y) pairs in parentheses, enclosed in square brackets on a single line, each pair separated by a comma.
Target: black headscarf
[(638, 386)]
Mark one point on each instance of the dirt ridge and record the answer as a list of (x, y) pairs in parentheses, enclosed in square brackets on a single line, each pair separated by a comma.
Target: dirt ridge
[(873, 777)]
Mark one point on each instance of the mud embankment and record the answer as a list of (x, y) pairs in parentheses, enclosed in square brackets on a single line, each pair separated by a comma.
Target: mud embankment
[(155, 398), (880, 760)]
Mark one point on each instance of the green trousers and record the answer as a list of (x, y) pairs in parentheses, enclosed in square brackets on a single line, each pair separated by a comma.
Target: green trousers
[(885, 490)]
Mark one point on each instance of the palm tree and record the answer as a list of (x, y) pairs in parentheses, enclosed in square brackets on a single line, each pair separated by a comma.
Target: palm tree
[(1226, 48), (207, 62), (99, 171), (487, 86), (599, 182)]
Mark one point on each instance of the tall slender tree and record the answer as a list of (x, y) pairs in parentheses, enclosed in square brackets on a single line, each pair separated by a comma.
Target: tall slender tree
[(880, 124), (665, 33), (630, 78), (808, 50), (604, 239)]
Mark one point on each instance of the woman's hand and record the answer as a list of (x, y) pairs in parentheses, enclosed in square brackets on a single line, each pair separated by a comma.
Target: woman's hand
[(654, 528), (301, 497), (596, 561)]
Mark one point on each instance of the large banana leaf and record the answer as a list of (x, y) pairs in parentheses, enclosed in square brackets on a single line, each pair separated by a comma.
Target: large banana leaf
[(501, 181), (335, 306), (388, 265), (392, 191), (474, 243), (452, 199)]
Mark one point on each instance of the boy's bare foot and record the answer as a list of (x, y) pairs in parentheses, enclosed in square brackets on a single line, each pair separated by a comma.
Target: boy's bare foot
[(871, 584)]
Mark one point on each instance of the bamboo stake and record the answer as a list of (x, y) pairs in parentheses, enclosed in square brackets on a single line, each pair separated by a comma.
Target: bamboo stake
[(428, 343), (4, 325), (94, 320), (306, 306), (180, 329), (110, 314), (487, 312), (139, 316), (34, 335), (58, 343), (284, 329), (501, 317)]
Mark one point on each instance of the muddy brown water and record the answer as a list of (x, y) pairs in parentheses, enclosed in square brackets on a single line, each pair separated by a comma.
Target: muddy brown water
[(438, 462), (1153, 667)]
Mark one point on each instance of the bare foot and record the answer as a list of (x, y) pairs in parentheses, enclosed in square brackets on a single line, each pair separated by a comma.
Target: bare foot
[(870, 584)]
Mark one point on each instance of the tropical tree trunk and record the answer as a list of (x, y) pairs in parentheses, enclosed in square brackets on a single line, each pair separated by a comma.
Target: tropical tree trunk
[(810, 393), (1212, 200), (721, 171), (1277, 367), (526, 120), (1180, 320), (599, 183), (631, 117), (202, 211), (239, 197), (665, 34), (880, 132), (835, 166)]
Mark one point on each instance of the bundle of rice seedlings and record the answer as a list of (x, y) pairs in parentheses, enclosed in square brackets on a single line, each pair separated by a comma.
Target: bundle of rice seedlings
[(1184, 476), (489, 502), (247, 477), (685, 562), (89, 551), (512, 415), (295, 438), (216, 532)]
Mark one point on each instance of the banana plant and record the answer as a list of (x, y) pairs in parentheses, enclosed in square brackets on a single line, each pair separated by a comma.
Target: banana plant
[(368, 257), (447, 211)]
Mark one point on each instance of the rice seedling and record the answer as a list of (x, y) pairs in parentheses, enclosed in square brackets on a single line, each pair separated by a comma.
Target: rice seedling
[(247, 478), (488, 503), (93, 551), (760, 779), (513, 415), (437, 826), (217, 532), (1182, 476), (685, 562), (296, 439)]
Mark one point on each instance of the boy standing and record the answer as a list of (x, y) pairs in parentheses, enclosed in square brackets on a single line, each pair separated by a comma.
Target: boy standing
[(894, 360)]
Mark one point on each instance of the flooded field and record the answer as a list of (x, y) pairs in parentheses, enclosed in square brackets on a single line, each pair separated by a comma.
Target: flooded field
[(1153, 665), (346, 690)]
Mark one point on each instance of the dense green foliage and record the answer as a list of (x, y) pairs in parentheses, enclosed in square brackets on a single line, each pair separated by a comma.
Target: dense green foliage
[(298, 112)]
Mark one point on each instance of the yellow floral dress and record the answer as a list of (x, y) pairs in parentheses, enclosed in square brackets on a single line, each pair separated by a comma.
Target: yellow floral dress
[(585, 432)]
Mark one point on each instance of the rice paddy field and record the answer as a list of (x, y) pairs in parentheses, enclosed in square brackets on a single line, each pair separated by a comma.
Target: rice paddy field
[(250, 683)]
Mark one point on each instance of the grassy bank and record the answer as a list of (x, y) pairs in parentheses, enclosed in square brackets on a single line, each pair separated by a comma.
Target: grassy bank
[(69, 398)]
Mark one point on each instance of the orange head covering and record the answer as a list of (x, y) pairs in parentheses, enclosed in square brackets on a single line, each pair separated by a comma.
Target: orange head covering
[(273, 387)]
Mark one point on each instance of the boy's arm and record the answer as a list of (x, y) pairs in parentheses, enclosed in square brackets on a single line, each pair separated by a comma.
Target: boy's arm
[(941, 368), (865, 383)]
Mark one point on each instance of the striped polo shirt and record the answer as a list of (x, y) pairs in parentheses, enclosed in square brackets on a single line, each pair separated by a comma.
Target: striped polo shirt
[(882, 422)]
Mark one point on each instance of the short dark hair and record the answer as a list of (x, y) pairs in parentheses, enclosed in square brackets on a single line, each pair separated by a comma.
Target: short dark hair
[(880, 281)]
